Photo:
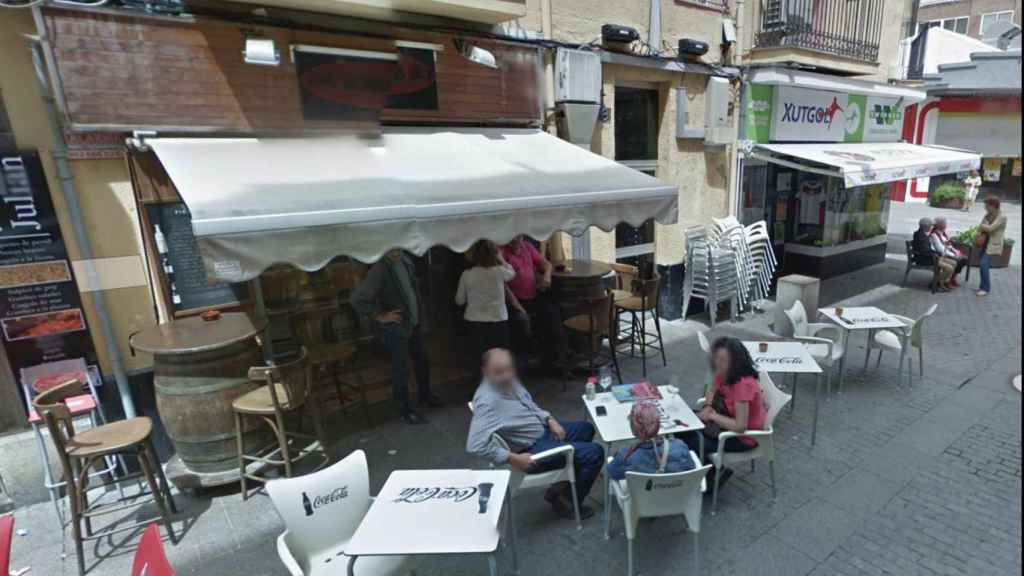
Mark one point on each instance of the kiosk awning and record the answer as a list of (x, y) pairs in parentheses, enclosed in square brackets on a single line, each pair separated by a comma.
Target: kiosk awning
[(869, 163), (303, 201)]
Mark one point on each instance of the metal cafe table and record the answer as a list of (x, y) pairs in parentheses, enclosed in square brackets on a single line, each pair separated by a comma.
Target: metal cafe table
[(431, 512), (858, 318), (788, 358)]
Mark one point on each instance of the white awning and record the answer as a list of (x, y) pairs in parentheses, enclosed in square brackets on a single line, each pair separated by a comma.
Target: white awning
[(870, 163), (303, 201), (793, 77)]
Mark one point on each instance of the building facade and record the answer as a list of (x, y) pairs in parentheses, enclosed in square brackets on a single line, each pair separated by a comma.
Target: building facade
[(970, 17)]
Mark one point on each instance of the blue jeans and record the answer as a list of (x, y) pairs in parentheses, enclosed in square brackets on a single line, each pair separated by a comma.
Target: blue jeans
[(587, 460), (401, 348), (985, 267)]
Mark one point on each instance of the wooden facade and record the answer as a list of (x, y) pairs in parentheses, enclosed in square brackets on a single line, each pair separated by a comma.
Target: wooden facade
[(123, 72)]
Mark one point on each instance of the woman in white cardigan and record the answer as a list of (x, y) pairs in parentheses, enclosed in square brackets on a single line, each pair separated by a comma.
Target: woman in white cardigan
[(482, 291)]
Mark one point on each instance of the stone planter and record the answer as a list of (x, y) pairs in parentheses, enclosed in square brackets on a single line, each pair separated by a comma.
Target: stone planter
[(998, 261)]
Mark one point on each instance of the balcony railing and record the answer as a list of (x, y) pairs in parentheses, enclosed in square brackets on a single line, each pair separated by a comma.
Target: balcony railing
[(848, 28)]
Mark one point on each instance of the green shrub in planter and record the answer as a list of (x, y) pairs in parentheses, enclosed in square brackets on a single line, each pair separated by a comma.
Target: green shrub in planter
[(950, 194)]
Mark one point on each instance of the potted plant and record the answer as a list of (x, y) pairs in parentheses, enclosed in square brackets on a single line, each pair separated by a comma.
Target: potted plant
[(965, 241), (949, 195)]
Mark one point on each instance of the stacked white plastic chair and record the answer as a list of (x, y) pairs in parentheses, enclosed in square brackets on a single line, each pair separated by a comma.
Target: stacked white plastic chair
[(710, 273), (762, 255), (729, 234)]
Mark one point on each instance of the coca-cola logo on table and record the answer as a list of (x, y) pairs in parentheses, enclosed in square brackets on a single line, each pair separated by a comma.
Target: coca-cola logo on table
[(778, 360), (321, 500), (418, 495)]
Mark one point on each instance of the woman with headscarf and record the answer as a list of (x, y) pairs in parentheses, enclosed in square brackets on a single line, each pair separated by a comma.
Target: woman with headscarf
[(650, 454)]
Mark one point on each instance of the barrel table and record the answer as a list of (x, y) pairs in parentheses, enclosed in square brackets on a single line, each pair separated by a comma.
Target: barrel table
[(575, 280), (200, 366)]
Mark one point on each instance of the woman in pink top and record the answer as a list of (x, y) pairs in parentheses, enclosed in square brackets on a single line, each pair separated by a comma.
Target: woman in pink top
[(736, 403)]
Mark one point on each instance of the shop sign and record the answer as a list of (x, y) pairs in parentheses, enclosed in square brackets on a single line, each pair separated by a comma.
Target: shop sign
[(44, 329), (95, 145), (794, 114), (352, 85)]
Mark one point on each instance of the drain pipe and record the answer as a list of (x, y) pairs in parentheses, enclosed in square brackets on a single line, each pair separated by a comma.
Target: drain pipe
[(67, 186)]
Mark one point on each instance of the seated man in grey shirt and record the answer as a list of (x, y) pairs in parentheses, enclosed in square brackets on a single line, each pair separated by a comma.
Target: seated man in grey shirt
[(503, 406)]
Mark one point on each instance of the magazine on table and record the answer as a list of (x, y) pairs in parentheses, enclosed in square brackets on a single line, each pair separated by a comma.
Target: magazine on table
[(643, 390)]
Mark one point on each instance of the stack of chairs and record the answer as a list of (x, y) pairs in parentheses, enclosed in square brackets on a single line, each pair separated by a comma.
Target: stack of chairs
[(711, 273)]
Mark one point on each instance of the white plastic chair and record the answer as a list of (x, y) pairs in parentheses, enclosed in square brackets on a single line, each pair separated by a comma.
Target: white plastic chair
[(774, 400), (912, 336), (827, 352), (657, 495), (315, 536), (522, 482)]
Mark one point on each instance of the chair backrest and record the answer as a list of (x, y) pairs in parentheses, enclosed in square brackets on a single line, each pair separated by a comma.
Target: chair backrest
[(150, 559), (647, 289), (51, 407), (6, 535), (656, 495), (626, 274), (704, 344), (798, 317), (917, 329), (774, 399), (294, 376), (324, 508)]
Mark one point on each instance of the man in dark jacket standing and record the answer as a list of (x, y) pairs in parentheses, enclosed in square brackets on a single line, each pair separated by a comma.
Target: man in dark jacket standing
[(389, 299)]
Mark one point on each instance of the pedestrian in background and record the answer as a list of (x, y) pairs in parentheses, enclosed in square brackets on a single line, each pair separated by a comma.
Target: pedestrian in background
[(973, 184), (990, 240)]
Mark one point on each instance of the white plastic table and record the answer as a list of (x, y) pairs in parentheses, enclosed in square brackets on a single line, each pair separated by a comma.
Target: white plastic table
[(857, 318), (429, 512), (613, 427), (789, 358)]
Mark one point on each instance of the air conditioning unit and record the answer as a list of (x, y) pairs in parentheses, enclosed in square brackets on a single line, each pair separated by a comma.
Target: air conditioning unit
[(718, 130), (577, 76)]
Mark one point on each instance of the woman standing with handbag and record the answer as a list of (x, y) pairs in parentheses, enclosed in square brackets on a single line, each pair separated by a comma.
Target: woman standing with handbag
[(989, 241)]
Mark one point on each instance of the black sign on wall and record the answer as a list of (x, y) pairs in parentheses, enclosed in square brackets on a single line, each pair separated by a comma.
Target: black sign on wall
[(356, 86), (40, 307), (189, 285)]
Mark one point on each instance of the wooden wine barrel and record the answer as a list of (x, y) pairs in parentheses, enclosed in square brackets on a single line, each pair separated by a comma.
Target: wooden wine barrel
[(199, 368)]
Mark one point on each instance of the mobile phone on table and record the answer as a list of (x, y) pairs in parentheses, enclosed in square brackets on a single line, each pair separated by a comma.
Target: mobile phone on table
[(602, 411)]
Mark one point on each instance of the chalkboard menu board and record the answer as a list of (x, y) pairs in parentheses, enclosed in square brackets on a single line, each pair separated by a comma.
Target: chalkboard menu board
[(182, 265)]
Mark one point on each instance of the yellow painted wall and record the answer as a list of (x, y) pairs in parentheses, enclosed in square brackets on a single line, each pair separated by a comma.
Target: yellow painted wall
[(103, 186)]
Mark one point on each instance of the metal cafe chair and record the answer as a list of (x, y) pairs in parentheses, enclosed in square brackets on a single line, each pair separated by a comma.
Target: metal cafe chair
[(315, 536), (656, 496), (78, 453), (522, 482), (285, 391)]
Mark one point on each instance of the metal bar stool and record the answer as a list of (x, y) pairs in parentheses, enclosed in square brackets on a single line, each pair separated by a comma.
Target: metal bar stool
[(286, 390), (79, 452), (643, 301)]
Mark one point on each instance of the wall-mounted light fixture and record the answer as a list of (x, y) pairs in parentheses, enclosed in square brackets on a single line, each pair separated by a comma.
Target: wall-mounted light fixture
[(261, 51), (476, 54)]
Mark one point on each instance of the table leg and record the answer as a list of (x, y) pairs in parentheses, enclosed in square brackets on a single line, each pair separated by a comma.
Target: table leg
[(492, 563), (817, 395), (700, 438), (352, 565), (512, 533), (842, 361)]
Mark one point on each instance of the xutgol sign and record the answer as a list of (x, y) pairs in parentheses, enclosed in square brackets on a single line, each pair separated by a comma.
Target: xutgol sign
[(792, 114)]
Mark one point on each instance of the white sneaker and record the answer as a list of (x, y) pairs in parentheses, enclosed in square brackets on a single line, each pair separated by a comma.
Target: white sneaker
[(982, 293)]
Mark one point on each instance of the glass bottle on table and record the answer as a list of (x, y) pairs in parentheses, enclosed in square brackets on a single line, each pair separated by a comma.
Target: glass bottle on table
[(604, 378)]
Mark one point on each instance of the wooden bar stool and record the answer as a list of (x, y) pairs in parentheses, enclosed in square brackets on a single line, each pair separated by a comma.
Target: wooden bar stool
[(596, 324), (285, 391), (643, 301), (624, 276), (79, 452), (332, 361)]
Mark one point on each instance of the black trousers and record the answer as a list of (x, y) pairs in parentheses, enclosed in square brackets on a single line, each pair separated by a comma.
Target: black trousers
[(544, 326), (482, 337)]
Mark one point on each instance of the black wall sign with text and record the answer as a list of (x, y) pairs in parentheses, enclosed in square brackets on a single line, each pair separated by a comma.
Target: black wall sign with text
[(354, 87), (40, 307), (182, 263)]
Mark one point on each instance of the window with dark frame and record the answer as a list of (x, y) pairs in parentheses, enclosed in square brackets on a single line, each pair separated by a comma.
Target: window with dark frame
[(636, 145)]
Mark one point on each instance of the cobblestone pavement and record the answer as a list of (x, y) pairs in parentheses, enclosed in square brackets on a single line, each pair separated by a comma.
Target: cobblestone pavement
[(903, 480)]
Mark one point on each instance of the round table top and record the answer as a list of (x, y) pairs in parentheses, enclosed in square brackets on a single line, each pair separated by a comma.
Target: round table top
[(581, 269), (194, 334)]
